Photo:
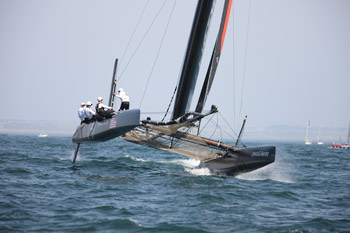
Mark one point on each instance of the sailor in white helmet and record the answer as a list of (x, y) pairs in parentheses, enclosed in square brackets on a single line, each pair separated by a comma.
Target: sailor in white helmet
[(124, 98), (81, 112), (89, 114), (103, 110)]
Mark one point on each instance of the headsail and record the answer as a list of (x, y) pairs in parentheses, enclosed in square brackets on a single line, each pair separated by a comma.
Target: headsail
[(214, 61), (193, 57)]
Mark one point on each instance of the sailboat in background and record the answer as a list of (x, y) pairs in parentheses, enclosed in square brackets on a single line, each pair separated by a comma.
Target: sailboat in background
[(340, 144), (347, 144), (177, 135), (307, 140), (319, 142), (42, 135)]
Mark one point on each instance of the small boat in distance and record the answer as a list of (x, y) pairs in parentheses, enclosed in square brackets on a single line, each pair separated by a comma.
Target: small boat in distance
[(42, 135), (307, 140), (319, 142), (347, 144), (340, 144)]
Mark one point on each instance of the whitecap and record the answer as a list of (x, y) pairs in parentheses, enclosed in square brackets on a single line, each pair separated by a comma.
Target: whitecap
[(135, 222), (199, 171), (137, 159), (189, 163), (72, 157)]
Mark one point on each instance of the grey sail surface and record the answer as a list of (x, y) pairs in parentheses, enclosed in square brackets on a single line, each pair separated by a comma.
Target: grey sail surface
[(193, 57), (214, 61)]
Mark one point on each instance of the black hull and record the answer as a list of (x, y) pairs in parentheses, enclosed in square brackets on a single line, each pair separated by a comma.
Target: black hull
[(241, 161)]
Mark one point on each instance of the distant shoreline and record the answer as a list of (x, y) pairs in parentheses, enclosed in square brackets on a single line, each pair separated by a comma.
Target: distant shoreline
[(278, 133)]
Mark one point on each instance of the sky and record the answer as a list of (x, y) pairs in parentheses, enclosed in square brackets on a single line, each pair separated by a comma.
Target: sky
[(283, 63)]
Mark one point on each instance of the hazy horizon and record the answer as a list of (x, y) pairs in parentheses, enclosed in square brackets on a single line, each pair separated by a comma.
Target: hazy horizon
[(251, 133)]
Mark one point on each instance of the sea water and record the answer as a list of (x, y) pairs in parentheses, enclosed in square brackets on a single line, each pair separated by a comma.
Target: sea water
[(117, 186)]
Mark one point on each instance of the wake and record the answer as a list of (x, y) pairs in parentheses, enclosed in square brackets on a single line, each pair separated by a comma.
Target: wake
[(277, 171)]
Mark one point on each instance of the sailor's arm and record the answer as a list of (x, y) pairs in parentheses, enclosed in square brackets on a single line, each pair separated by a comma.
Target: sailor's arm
[(105, 106)]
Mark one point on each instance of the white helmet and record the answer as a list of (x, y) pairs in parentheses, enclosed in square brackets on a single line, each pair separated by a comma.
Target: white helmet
[(82, 104), (120, 89), (99, 98), (89, 103)]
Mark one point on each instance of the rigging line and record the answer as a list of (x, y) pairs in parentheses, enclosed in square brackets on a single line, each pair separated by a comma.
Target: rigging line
[(156, 58), (206, 123), (228, 125), (228, 133), (217, 119), (166, 113), (245, 58), (177, 141), (222, 129), (225, 131), (142, 39), (133, 33), (220, 132), (172, 97), (234, 137)]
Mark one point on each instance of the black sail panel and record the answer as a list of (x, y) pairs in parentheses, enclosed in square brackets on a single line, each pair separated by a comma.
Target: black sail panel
[(193, 57), (215, 57)]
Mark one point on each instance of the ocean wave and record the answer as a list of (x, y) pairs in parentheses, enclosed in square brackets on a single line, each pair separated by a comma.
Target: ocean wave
[(276, 172)]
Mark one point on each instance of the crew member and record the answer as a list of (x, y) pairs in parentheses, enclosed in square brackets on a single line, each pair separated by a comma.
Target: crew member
[(103, 110), (81, 112), (124, 98), (89, 114)]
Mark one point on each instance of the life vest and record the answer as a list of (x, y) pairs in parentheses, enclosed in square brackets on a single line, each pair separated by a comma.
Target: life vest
[(98, 109)]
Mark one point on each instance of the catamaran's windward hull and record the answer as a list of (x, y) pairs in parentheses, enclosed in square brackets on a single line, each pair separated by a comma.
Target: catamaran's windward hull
[(241, 161), (107, 129)]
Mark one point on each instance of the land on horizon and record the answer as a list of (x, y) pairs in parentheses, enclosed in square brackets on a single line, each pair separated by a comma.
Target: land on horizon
[(251, 133)]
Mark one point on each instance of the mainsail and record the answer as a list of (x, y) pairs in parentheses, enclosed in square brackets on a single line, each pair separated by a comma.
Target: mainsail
[(193, 57), (214, 61)]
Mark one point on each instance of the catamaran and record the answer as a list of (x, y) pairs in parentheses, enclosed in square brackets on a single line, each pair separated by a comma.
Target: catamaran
[(176, 134)]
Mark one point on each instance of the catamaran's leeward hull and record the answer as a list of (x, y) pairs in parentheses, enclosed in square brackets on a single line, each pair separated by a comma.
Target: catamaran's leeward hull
[(107, 129), (241, 161)]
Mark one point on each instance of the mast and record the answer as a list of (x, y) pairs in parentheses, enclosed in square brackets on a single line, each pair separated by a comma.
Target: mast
[(215, 57), (192, 59), (113, 85), (319, 133), (349, 134), (307, 132)]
